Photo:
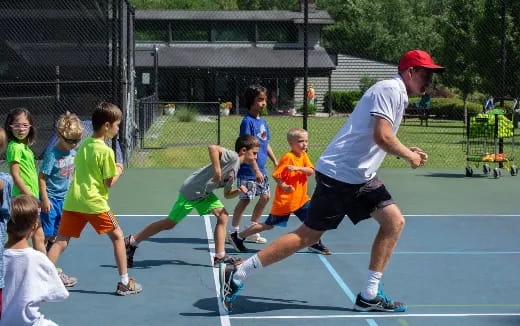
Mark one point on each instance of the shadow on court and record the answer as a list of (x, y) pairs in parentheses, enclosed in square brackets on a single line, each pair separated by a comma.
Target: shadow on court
[(252, 304)]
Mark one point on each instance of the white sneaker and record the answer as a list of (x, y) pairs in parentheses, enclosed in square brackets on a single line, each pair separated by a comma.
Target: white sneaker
[(256, 238)]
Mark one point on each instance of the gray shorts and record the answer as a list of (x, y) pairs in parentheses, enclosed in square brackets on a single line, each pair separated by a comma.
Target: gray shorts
[(254, 188), (333, 199)]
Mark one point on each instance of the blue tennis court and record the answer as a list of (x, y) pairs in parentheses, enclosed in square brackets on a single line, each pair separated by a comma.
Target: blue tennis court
[(449, 269)]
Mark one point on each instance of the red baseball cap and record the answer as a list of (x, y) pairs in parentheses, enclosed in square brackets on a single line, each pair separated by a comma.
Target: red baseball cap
[(418, 58)]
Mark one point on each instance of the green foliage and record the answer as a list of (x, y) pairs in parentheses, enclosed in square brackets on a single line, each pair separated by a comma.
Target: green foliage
[(311, 109), (186, 113), (366, 82), (342, 101)]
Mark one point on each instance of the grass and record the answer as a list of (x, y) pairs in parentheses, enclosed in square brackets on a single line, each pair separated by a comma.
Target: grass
[(170, 143)]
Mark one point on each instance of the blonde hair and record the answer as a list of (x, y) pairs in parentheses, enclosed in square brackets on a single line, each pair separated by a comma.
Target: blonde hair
[(69, 126), (24, 214), (294, 133)]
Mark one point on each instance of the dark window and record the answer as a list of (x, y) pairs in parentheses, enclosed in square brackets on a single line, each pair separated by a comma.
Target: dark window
[(278, 32), (231, 31), (151, 31), (190, 31)]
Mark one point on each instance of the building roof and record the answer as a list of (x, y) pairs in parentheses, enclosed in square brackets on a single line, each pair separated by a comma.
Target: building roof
[(237, 57), (319, 17)]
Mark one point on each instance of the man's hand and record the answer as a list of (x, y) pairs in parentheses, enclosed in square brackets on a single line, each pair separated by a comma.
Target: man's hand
[(424, 156), (242, 189), (286, 188)]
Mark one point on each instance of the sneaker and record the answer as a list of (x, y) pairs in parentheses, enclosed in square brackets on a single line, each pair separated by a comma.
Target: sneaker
[(131, 288), (68, 281), (320, 248), (237, 243), (229, 290), (256, 238), (380, 303), (227, 259), (130, 251)]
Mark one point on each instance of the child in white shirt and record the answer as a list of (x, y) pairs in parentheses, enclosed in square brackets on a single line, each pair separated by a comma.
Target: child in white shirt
[(30, 277)]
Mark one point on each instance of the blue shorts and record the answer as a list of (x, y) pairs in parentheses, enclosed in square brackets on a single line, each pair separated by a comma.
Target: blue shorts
[(51, 221), (281, 220), (254, 188)]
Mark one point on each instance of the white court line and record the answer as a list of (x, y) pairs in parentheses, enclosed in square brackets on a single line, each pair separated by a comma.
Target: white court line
[(382, 315), (224, 317)]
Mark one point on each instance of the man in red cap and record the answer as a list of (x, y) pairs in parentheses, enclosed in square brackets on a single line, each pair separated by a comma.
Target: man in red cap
[(347, 184)]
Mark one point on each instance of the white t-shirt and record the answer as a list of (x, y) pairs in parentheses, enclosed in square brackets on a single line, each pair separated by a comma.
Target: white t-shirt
[(353, 156), (30, 279)]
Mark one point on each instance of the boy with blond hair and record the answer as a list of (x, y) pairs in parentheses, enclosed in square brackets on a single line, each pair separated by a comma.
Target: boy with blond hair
[(87, 199), (290, 196), (54, 179)]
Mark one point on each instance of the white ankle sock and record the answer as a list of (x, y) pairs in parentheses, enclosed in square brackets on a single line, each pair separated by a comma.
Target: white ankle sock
[(124, 279), (133, 242), (220, 254), (371, 285), (236, 229), (246, 268)]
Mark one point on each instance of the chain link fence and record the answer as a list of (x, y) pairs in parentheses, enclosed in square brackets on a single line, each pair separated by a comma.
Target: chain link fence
[(339, 49), (62, 55)]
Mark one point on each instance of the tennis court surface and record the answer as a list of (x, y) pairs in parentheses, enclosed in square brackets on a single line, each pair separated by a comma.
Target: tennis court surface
[(456, 262)]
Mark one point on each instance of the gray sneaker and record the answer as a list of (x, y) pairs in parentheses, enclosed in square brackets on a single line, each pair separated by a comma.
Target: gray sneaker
[(131, 288), (67, 280)]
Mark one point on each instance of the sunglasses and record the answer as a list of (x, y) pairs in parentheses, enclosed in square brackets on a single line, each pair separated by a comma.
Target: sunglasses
[(20, 126), (71, 141)]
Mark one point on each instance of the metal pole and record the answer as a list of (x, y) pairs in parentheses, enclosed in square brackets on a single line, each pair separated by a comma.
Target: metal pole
[(156, 71), (503, 51), (305, 60)]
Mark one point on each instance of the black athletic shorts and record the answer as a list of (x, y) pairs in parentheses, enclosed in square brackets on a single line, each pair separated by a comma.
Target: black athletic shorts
[(333, 199)]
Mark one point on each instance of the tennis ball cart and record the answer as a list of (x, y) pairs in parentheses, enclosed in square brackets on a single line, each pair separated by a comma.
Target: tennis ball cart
[(490, 142)]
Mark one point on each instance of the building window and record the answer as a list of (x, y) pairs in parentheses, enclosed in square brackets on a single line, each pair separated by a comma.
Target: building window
[(234, 32), (190, 32), (151, 31), (277, 32)]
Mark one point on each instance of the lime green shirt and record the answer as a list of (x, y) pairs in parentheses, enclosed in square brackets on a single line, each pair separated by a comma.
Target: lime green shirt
[(94, 163), (23, 155)]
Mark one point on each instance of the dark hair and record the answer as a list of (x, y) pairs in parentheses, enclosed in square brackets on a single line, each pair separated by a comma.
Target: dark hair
[(24, 213), (105, 112), (246, 141), (31, 136), (251, 93)]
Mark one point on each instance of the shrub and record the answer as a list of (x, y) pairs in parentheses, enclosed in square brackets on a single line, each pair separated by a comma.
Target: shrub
[(342, 101), (186, 113), (311, 109), (366, 82)]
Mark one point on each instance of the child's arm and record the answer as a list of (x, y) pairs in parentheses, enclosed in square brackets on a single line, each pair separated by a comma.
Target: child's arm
[(271, 155), (110, 182), (285, 187), (229, 192), (307, 170), (46, 204), (214, 156), (14, 169)]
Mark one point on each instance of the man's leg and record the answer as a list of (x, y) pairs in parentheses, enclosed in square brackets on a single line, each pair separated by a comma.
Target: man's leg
[(126, 285), (391, 223), (259, 208)]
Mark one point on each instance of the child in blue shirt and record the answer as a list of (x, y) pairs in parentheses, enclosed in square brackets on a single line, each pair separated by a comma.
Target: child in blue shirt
[(6, 187), (54, 179), (254, 176)]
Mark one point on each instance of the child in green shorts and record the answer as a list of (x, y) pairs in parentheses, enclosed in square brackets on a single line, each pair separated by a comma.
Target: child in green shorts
[(197, 192)]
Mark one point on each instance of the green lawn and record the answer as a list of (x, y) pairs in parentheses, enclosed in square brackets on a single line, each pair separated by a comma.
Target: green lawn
[(173, 144)]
